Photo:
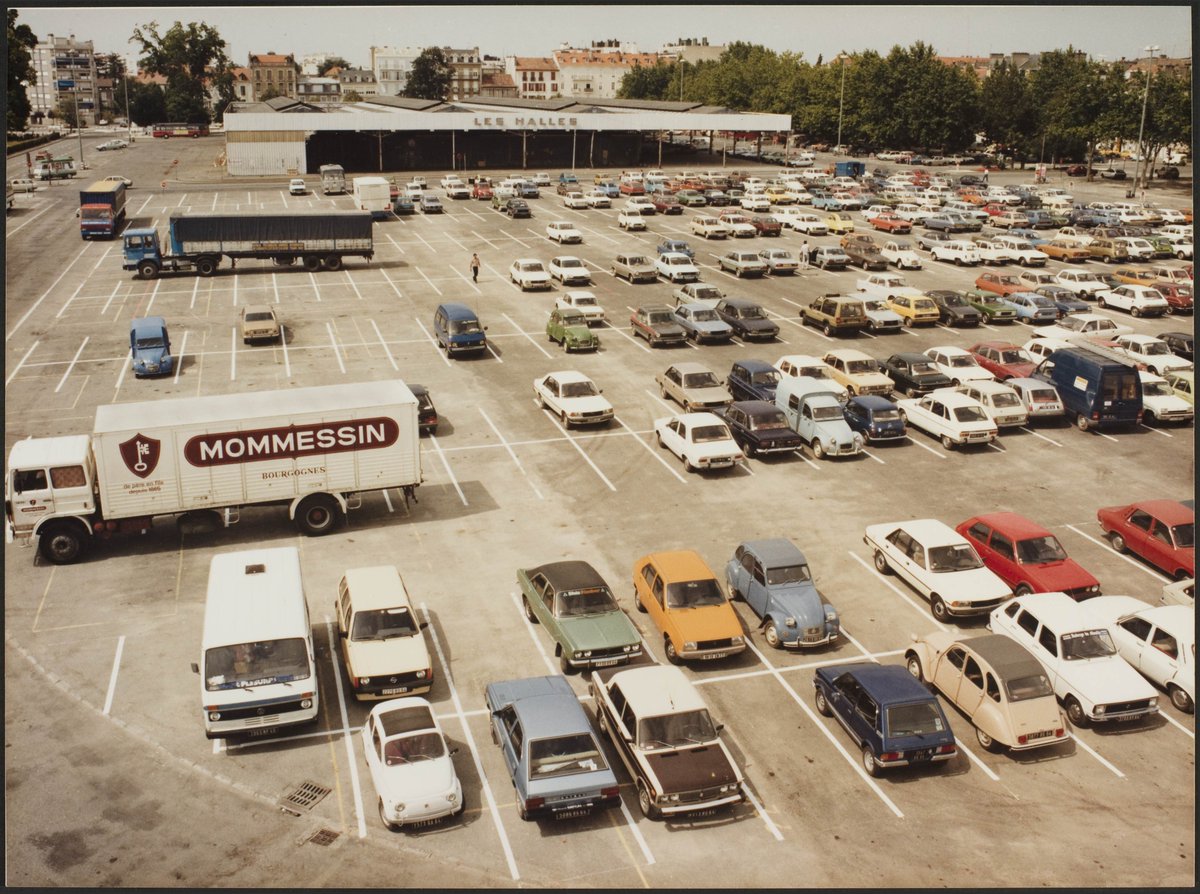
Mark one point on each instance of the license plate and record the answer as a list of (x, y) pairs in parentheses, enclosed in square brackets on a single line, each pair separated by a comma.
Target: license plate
[(918, 756), (606, 662), (397, 691), (1042, 735), (711, 656)]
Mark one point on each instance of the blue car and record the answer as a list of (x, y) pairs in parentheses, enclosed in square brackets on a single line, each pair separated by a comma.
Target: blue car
[(701, 323), (875, 417), (555, 760), (888, 713), (1032, 307), (1032, 236), (676, 245), (773, 577), (1065, 301), (150, 347), (753, 380), (609, 188)]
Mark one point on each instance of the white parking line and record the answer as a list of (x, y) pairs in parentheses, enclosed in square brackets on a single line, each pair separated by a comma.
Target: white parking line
[(71, 365), (426, 278), (1107, 437), (520, 331), (112, 680), (463, 276), (125, 363), (196, 290), (153, 295), (346, 733), (874, 457), (537, 643), (913, 440), (432, 341), (656, 454), (26, 223), (505, 443), (336, 352), (627, 336), (349, 279), (483, 238), (379, 335), (976, 761), (287, 363), (12, 375), (887, 583), (586, 458), (1039, 435), (179, 358), (1171, 720), (1134, 562), (62, 310), (1155, 430), (462, 719), (446, 465), (312, 278), (1082, 744)]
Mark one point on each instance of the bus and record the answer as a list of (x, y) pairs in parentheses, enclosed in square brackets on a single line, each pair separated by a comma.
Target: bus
[(166, 131), (257, 668)]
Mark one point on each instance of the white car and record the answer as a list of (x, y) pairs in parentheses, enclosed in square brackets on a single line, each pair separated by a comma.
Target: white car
[(597, 199), (115, 178), (755, 203), (1040, 399), (992, 252), (641, 204), (1091, 680), (738, 225), (410, 764), (1151, 352), (796, 365), (529, 273), (541, 178), (631, 219), (1075, 235), (1160, 402), (572, 397), (1179, 592), (901, 255), (297, 186), (1175, 275), (1139, 249), (1081, 327), (701, 440), (958, 251), (676, 267), (568, 270), (562, 231), (959, 364), (1182, 245), (112, 144), (457, 190), (1157, 641), (778, 260), (450, 180), (953, 418), (698, 293), (1023, 252), (910, 212), (1082, 283), (584, 302), (710, 227), (1002, 403), (939, 563), (807, 223), (1141, 301), (886, 286), (576, 200)]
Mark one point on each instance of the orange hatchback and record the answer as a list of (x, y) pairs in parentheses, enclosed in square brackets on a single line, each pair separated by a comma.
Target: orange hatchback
[(687, 603)]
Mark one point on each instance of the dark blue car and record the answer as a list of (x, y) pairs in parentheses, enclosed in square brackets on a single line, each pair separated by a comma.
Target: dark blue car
[(753, 380), (888, 713), (877, 418), (677, 245)]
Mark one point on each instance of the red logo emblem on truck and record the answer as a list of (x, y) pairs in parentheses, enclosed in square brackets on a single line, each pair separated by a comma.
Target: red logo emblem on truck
[(141, 455)]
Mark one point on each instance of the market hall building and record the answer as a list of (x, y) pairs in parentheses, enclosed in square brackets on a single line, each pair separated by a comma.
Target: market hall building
[(388, 133)]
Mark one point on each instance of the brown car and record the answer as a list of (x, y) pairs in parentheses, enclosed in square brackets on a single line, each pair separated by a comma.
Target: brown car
[(1108, 249), (1065, 251), (1000, 283), (1134, 276)]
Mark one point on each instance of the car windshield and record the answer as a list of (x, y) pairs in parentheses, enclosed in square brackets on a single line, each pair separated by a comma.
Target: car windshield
[(901, 246), (423, 746), (637, 260), (563, 755), (592, 601), (383, 623), (151, 341), (692, 593), (464, 327), (956, 557), (669, 730), (1037, 550), (1022, 688), (570, 262), (705, 316), (246, 665), (1156, 389), (1005, 399), (532, 268), (919, 719), (765, 377), (954, 301), (753, 313), (858, 367), (874, 304), (788, 574), (1087, 644), (259, 316), (678, 259), (962, 360), (1184, 535), (579, 389), (705, 434), (1152, 348), (700, 380), (924, 367), (659, 317), (708, 292), (827, 414), (969, 414)]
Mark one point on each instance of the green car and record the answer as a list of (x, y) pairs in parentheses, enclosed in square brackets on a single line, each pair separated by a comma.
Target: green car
[(992, 306), (572, 601), (569, 328), (1163, 247)]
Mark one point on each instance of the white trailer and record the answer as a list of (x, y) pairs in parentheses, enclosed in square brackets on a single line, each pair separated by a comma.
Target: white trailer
[(373, 194), (315, 450)]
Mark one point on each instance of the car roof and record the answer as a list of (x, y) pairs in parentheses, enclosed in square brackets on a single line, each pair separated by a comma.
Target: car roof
[(680, 564), (572, 574), (929, 531), (404, 715), (849, 354), (148, 324), (377, 586), (1011, 523), (568, 375), (988, 386), (1170, 512), (872, 402), (658, 689), (690, 367), (752, 365), (1056, 610), (953, 350), (1008, 658), (547, 706), (757, 407), (776, 551), (886, 683), (911, 357)]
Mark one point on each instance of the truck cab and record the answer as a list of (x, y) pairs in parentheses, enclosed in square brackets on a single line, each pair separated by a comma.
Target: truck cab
[(48, 491), (142, 252)]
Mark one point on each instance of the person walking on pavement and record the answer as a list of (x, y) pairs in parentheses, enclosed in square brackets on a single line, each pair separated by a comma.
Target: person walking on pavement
[(475, 267), (804, 255)]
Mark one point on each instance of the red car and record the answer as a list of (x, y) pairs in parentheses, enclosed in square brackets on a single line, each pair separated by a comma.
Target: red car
[(995, 209), (1003, 359), (1179, 297), (766, 225), (481, 190), (1000, 283), (1026, 556), (890, 223), (665, 204), (631, 188), (1076, 170), (1163, 532)]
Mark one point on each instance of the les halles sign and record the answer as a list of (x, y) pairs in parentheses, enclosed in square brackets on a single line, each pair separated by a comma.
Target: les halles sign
[(527, 121)]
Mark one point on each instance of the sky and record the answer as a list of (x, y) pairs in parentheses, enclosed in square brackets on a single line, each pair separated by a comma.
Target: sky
[(1104, 32)]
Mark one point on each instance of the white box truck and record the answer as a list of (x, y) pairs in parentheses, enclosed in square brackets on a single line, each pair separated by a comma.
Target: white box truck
[(314, 450), (373, 194), (333, 180)]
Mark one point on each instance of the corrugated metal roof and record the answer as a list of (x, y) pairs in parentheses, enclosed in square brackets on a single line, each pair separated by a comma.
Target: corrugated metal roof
[(647, 104), (510, 102), (404, 102)]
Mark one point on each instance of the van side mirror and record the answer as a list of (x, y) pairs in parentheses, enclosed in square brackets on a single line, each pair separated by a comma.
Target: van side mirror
[(195, 668), (719, 727), (422, 625)]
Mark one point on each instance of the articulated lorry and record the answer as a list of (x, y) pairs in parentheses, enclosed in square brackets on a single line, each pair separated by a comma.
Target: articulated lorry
[(314, 450), (101, 208), (333, 180), (196, 242)]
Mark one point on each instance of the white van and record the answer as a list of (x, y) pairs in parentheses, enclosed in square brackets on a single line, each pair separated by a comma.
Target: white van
[(373, 194), (257, 668)]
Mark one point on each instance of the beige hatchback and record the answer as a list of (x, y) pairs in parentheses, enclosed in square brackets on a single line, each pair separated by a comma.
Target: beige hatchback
[(382, 645), (259, 323)]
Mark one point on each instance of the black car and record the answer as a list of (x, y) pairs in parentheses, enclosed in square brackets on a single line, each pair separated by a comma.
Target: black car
[(914, 374), (1084, 217), (752, 380), (427, 416), (971, 180), (746, 319), (760, 427), (517, 208), (716, 197), (953, 308), (1065, 301), (1181, 343)]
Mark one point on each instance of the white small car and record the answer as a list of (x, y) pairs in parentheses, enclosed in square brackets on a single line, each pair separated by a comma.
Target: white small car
[(999, 401), (1141, 301), (1083, 283), (901, 255), (1040, 399), (738, 226), (701, 440), (1089, 677), (708, 227), (410, 764), (992, 252), (575, 200), (297, 187), (641, 204), (631, 219), (953, 418), (1160, 402), (1179, 592), (562, 231), (541, 178), (1075, 235), (939, 563), (458, 190), (956, 251), (675, 266), (1081, 327), (807, 223), (450, 180), (572, 397), (569, 270), (886, 286), (796, 365), (529, 273), (755, 202), (1023, 252), (584, 302), (1151, 352), (959, 364), (597, 199)]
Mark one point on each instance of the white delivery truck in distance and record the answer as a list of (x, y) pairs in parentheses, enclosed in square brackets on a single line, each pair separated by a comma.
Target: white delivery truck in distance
[(257, 665), (373, 194), (314, 450)]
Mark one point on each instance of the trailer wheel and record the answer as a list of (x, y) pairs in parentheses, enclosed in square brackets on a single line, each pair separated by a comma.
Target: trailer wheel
[(147, 270), (206, 266), (312, 263), (333, 262), (318, 514), (61, 543)]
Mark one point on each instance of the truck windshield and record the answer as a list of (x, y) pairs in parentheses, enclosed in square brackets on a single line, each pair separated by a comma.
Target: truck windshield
[(684, 728), (575, 753), (255, 664)]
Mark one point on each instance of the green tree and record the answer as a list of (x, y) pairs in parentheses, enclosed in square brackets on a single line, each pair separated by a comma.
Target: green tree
[(430, 76), (64, 110), (648, 82), (21, 41), (1168, 115), (1077, 100), (188, 57), (1007, 115), (332, 62), (147, 103)]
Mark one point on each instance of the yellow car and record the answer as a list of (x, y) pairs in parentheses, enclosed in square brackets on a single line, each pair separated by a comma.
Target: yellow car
[(688, 605), (915, 310), (1134, 276), (779, 195), (858, 372), (839, 222)]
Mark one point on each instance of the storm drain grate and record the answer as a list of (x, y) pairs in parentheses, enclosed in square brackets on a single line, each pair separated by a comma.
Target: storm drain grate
[(305, 796), (325, 837)]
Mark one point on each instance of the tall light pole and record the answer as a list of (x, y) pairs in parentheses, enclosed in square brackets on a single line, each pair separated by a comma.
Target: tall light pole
[(841, 97), (1149, 51)]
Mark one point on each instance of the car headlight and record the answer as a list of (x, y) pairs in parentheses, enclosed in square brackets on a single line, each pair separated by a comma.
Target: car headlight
[(832, 444), (452, 796), (214, 715), (858, 440), (830, 614), (398, 809), (672, 798), (365, 681), (1100, 709), (790, 622), (1154, 702), (689, 647), (737, 640)]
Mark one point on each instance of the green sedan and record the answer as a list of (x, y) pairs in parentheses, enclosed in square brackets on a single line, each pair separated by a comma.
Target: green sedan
[(992, 306), (569, 328)]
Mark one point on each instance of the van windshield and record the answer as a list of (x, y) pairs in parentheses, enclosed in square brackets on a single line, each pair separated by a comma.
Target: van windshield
[(464, 327), (256, 664)]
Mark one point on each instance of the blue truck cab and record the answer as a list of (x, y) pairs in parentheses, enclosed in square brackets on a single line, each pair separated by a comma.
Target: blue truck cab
[(141, 246), (150, 347), (1099, 390), (457, 328)]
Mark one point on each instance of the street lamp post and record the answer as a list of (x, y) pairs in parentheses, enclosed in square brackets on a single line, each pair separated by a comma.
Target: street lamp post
[(78, 123), (1150, 51), (841, 97)]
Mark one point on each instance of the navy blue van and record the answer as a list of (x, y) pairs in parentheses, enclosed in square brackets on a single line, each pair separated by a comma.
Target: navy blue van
[(457, 329), (1099, 390)]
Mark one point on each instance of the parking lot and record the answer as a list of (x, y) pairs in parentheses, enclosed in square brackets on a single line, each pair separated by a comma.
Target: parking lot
[(111, 781)]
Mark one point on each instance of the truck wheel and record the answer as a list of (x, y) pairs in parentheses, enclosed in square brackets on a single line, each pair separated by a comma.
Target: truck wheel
[(147, 270), (312, 263), (333, 262), (206, 266), (61, 543), (318, 514)]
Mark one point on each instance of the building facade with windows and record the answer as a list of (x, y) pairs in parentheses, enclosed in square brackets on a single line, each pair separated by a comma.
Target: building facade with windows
[(595, 72), (359, 80), (66, 69), (392, 66), (319, 90), (274, 72), (536, 77), (468, 72)]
